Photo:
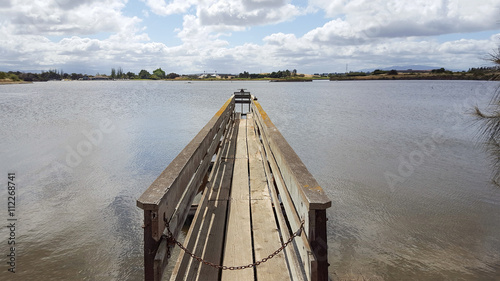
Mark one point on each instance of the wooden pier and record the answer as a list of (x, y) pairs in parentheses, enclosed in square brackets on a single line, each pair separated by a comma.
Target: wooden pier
[(261, 216)]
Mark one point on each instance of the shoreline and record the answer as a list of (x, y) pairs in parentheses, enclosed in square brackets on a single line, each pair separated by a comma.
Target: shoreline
[(14, 82)]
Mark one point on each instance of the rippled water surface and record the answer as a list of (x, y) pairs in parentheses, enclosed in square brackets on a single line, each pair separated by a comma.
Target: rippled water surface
[(409, 184)]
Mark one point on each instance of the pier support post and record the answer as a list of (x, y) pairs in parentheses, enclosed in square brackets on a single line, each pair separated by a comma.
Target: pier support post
[(319, 244), (150, 247)]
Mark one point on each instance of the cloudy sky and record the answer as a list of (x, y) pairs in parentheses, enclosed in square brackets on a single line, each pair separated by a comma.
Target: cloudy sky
[(232, 36)]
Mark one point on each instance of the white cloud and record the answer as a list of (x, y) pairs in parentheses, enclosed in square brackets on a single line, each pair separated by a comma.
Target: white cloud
[(63, 17), (337, 32), (165, 8), (394, 18), (245, 12)]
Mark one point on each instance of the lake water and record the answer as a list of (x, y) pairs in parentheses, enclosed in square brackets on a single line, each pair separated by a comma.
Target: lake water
[(410, 185)]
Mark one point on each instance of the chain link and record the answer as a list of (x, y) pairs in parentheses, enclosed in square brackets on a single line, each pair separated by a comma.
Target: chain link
[(171, 240)]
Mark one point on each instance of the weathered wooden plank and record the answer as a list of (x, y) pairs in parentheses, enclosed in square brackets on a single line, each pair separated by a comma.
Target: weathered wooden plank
[(265, 232), (258, 181), (238, 246)]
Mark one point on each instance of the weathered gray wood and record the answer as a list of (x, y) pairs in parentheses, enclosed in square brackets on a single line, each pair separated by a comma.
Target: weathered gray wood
[(302, 243), (181, 211), (238, 246), (266, 237), (150, 246), (295, 267), (289, 161), (191, 240), (214, 202), (178, 174), (213, 248), (307, 195)]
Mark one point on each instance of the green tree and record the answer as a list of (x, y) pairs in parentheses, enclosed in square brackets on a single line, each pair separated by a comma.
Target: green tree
[(378, 72), (119, 73), (144, 74), (393, 72), (130, 75), (113, 73), (244, 75), (172, 75), (441, 70), (159, 73)]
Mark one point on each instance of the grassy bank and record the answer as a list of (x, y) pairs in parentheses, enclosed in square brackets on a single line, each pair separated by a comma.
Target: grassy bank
[(10, 81)]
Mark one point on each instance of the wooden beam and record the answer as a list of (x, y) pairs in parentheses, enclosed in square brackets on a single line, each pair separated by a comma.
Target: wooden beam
[(238, 246)]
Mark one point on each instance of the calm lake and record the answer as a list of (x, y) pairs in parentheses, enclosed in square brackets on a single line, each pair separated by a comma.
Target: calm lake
[(409, 183)]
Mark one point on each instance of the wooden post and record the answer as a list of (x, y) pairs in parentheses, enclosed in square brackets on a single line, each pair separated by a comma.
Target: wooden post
[(319, 245), (150, 247)]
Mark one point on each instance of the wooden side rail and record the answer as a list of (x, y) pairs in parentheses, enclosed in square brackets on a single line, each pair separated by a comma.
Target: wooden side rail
[(172, 193), (301, 196)]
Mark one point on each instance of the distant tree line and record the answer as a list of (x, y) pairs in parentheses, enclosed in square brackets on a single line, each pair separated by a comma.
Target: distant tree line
[(275, 74), (54, 74)]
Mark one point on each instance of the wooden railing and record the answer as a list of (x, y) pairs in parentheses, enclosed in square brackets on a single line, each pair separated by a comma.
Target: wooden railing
[(172, 193), (301, 196)]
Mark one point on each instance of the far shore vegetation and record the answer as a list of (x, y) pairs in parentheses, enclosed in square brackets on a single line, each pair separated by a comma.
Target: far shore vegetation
[(482, 73)]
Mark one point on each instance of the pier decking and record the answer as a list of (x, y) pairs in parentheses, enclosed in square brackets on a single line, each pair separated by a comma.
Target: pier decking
[(257, 196)]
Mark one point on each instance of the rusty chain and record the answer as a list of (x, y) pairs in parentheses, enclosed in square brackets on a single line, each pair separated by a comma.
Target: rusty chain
[(171, 240)]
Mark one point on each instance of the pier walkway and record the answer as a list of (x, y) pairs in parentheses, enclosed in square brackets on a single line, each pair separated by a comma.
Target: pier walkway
[(261, 214)]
